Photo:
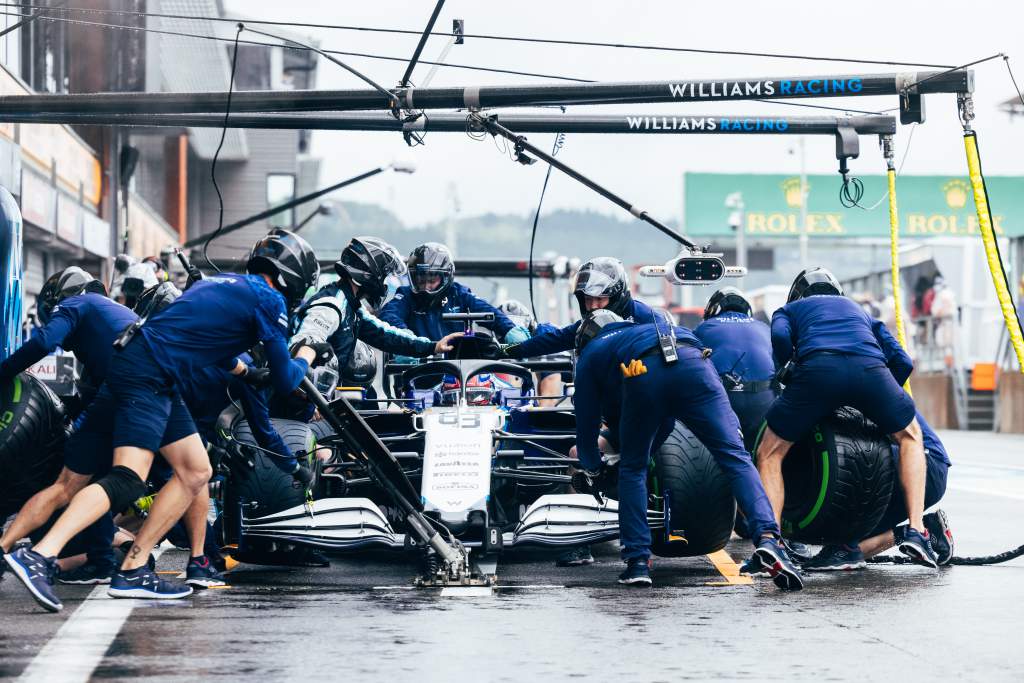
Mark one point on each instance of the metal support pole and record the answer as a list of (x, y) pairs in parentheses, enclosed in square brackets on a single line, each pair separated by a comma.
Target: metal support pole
[(491, 125), (419, 46)]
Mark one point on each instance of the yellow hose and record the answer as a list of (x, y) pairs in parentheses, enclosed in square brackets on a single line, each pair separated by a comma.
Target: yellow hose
[(894, 249), (988, 238)]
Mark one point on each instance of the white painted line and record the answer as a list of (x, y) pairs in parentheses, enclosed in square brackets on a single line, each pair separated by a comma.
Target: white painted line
[(466, 592), (78, 647), (986, 491)]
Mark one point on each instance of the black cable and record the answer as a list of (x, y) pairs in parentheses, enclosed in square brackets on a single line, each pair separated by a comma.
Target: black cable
[(213, 165), (965, 561), (908, 87), (559, 141), (1006, 60), (486, 36)]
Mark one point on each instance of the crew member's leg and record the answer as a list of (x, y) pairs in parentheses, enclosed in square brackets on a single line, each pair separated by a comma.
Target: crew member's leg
[(40, 507)]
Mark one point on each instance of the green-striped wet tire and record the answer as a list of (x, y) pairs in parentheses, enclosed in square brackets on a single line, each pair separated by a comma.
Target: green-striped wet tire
[(32, 435), (839, 480)]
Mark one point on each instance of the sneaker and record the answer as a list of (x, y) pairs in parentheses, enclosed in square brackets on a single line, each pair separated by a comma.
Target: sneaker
[(774, 556), (200, 573), (89, 574), (38, 573), (314, 558), (575, 557), (144, 583), (637, 573), (753, 566), (798, 551), (918, 548), (940, 536), (836, 558)]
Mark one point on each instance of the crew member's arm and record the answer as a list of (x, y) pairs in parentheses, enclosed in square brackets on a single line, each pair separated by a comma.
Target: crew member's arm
[(396, 340), (397, 311), (587, 401), (782, 338), (562, 339), (258, 416), (896, 359), (43, 341), (286, 373)]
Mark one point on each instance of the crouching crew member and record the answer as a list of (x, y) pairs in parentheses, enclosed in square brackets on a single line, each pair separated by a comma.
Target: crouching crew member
[(78, 317), (369, 271), (658, 377), (741, 350), (420, 306), (841, 357), (212, 323)]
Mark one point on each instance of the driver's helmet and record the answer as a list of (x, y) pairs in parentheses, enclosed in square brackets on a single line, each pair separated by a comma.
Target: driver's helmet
[(518, 313), (450, 389), (431, 274), (480, 390)]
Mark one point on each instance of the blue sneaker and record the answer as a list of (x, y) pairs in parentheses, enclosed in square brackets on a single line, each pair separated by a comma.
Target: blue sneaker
[(144, 583), (836, 558), (774, 557), (941, 536), (917, 546), (38, 573), (575, 557), (637, 573), (753, 566), (200, 573), (798, 552), (89, 574)]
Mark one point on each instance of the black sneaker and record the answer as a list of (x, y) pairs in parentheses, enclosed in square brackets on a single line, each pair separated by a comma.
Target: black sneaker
[(200, 573), (782, 569), (918, 547), (836, 558), (89, 574), (798, 551), (637, 573), (144, 583), (941, 536), (575, 557), (38, 573)]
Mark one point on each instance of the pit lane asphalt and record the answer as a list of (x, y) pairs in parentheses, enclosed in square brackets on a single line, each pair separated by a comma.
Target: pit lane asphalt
[(358, 620)]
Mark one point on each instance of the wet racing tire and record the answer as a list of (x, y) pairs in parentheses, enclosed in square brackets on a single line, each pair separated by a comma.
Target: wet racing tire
[(265, 488), (839, 480), (701, 506), (32, 435)]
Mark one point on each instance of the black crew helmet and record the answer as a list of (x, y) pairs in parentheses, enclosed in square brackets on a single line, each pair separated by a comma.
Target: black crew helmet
[(156, 299), (814, 281), (374, 265), (361, 369), (727, 299), (69, 282), (517, 312), (289, 261), (592, 326), (431, 273), (604, 276)]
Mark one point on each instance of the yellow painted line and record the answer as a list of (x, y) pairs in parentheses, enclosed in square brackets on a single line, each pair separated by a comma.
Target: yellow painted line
[(729, 570)]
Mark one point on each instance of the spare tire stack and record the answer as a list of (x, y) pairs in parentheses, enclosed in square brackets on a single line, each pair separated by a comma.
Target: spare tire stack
[(839, 480), (32, 434)]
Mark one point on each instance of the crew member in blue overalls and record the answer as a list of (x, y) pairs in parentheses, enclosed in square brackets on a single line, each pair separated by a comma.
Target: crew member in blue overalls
[(77, 316), (891, 530), (839, 356), (601, 283), (434, 292), (212, 323), (659, 373), (741, 350), (369, 271)]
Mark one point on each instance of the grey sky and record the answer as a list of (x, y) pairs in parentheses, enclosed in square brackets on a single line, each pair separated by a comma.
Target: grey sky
[(648, 169)]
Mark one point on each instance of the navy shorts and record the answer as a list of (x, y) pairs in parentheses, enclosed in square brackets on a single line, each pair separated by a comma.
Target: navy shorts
[(137, 405), (825, 381), (934, 489)]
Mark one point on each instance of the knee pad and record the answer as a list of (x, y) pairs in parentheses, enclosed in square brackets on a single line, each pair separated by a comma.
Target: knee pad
[(123, 487)]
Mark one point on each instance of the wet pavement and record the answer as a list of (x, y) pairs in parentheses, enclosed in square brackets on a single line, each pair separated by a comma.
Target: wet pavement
[(359, 620)]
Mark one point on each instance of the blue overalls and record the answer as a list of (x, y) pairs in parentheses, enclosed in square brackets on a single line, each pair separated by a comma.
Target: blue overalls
[(564, 338), (741, 350), (843, 358), (687, 390), (401, 311)]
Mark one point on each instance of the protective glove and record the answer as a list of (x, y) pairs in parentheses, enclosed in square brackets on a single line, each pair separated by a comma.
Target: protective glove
[(584, 481), (324, 353), (258, 378), (517, 335), (303, 475)]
